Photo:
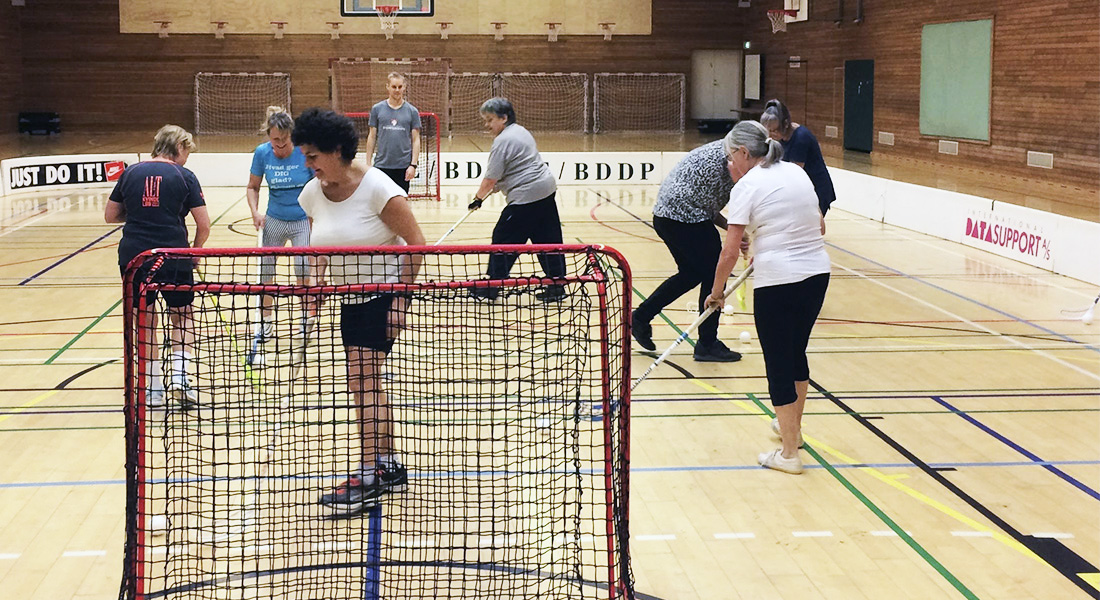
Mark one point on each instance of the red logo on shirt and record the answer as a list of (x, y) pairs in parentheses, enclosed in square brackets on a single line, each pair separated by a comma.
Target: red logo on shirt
[(114, 170), (151, 196)]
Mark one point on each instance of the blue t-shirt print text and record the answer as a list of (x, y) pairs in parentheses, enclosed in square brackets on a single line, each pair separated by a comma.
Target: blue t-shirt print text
[(285, 179)]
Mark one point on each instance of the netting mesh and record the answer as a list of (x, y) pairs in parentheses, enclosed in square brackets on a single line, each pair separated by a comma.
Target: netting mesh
[(468, 92), (548, 101), (236, 103), (638, 102), (516, 488), (358, 84), (426, 182)]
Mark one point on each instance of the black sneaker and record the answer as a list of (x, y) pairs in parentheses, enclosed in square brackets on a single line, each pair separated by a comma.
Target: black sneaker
[(642, 332), (551, 293), (353, 496), (484, 293), (715, 352)]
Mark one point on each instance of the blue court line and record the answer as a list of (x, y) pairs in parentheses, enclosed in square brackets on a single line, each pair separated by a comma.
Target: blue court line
[(58, 263), (1046, 465), (966, 298), (633, 470)]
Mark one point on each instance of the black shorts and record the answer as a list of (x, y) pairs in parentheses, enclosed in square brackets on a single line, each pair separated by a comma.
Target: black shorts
[(365, 324), (398, 177), (179, 271)]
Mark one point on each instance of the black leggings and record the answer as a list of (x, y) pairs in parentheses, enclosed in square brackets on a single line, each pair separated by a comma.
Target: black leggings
[(695, 248), (518, 223), (784, 316)]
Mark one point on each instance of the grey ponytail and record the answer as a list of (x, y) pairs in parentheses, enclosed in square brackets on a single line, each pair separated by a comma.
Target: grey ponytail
[(754, 137)]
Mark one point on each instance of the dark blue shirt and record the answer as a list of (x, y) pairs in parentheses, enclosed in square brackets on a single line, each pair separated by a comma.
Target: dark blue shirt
[(803, 148), (156, 196)]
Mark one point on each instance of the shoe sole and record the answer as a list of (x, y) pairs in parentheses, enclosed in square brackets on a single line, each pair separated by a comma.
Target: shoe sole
[(337, 510), (714, 359)]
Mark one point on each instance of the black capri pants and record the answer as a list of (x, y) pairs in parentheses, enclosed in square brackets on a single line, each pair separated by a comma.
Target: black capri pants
[(366, 324), (785, 315)]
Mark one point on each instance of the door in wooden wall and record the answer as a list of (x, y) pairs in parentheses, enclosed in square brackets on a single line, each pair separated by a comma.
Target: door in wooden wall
[(859, 104), (715, 84)]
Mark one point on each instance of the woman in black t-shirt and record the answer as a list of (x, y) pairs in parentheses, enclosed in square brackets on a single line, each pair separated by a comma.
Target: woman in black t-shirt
[(800, 147), (153, 199)]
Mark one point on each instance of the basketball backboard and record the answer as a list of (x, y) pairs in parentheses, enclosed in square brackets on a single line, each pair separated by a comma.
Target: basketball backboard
[(802, 6), (368, 8)]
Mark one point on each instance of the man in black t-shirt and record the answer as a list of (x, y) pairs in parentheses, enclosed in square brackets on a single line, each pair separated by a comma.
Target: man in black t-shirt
[(153, 199)]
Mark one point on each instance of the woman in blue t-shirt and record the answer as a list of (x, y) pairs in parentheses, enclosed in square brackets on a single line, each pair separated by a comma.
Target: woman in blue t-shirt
[(284, 167), (800, 147)]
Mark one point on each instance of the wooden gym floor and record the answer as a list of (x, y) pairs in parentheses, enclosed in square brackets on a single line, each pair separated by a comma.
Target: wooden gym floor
[(953, 426)]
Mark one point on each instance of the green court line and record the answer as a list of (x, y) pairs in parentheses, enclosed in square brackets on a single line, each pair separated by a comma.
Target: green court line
[(878, 512), (70, 343)]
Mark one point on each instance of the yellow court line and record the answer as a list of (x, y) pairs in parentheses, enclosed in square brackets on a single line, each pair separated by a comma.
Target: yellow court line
[(28, 405), (879, 475)]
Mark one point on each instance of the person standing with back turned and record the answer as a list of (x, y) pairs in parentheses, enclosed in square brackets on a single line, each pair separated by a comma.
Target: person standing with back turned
[(394, 134)]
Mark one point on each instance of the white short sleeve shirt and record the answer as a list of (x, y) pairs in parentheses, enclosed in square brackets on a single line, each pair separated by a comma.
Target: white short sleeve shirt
[(778, 206), (355, 221)]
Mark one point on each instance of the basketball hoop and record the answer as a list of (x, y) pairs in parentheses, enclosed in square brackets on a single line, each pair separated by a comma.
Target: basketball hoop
[(387, 15), (779, 19)]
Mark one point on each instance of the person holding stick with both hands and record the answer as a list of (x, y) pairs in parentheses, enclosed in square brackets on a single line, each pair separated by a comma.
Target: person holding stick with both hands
[(516, 168), (775, 201)]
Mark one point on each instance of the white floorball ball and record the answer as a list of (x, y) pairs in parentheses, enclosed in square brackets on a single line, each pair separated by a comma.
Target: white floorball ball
[(158, 525), (693, 306), (746, 337), (727, 309)]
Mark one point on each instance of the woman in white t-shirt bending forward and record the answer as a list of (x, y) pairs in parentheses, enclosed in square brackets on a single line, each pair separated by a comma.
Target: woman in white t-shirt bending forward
[(350, 204), (776, 202)]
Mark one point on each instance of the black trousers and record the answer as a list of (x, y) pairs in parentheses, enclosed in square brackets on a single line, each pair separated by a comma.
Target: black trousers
[(537, 222), (785, 315), (695, 248)]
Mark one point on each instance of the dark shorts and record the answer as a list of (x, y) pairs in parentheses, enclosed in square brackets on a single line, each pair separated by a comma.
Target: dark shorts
[(178, 271), (364, 324), (398, 177)]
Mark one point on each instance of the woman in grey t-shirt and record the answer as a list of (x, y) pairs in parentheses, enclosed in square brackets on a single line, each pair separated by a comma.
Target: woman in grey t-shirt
[(516, 168)]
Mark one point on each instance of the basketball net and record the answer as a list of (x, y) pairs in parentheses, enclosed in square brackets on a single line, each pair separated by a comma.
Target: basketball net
[(779, 19), (387, 15)]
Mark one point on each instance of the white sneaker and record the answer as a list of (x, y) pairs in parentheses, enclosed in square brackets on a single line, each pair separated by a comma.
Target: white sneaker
[(180, 391), (775, 430), (154, 399), (775, 460)]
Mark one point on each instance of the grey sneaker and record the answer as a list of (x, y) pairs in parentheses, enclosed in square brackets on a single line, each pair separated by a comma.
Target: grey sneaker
[(355, 495)]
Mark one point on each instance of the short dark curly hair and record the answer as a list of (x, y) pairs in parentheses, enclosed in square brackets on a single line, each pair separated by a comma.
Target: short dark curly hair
[(326, 130)]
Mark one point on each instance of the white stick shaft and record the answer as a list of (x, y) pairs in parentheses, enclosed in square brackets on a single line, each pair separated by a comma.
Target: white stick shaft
[(453, 227), (733, 285)]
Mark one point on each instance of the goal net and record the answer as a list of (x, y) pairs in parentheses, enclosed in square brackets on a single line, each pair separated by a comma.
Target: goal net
[(511, 417), (358, 84), (548, 101), (236, 103), (426, 182), (638, 102), (468, 92)]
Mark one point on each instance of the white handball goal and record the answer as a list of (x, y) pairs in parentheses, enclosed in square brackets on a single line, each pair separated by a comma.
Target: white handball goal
[(358, 83), (636, 102), (236, 103), (468, 92), (548, 101)]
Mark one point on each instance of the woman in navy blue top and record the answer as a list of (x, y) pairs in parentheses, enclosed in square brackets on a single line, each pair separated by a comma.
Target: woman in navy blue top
[(800, 147)]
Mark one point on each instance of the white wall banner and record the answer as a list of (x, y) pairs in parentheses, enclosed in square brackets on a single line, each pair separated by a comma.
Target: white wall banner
[(45, 173), (570, 168)]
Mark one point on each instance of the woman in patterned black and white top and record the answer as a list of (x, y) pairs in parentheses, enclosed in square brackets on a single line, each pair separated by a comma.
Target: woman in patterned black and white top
[(688, 216)]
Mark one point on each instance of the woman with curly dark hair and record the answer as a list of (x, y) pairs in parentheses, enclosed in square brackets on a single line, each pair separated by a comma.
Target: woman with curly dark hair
[(350, 204)]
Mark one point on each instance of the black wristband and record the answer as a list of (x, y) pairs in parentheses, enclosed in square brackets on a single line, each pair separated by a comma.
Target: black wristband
[(414, 166)]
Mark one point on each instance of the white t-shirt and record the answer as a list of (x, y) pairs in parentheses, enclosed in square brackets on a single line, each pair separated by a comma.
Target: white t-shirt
[(355, 221), (778, 206)]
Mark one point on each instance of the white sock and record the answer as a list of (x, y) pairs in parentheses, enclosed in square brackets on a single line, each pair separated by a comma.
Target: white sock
[(181, 360), (153, 378)]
